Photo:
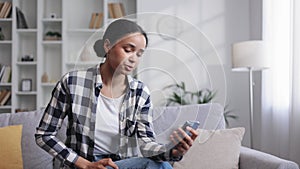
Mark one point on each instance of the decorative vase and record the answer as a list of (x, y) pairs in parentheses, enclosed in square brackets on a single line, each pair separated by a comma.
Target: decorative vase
[(45, 78)]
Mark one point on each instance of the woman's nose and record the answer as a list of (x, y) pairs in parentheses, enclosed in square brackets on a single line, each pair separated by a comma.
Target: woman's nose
[(133, 58)]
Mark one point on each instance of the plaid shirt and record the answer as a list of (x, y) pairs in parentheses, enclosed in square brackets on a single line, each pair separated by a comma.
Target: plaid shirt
[(76, 96)]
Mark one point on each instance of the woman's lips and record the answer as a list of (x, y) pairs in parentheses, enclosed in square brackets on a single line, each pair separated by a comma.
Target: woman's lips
[(128, 67)]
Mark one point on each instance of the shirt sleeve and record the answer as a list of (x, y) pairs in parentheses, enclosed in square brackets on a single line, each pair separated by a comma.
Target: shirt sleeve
[(51, 122), (148, 145)]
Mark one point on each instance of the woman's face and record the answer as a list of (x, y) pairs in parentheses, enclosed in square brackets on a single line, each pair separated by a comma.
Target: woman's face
[(123, 57)]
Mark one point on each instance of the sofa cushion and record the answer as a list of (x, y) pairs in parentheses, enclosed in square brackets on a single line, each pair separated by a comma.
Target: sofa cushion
[(250, 158), (33, 156), (10, 149), (168, 119), (217, 149)]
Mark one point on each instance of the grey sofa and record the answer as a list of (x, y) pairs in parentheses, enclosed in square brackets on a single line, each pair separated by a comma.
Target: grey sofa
[(165, 120)]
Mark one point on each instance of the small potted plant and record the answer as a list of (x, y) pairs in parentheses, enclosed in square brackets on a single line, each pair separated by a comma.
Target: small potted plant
[(181, 96), (52, 35)]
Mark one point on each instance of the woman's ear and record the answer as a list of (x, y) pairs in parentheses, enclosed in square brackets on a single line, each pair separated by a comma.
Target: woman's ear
[(107, 45)]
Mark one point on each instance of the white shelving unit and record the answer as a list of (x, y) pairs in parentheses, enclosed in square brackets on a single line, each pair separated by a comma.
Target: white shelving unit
[(6, 53), (25, 43), (50, 19), (71, 19)]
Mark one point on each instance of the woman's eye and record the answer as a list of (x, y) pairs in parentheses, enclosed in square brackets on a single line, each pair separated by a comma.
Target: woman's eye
[(127, 50), (139, 54)]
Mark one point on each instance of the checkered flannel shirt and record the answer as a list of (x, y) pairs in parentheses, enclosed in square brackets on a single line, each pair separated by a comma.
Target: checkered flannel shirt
[(75, 96)]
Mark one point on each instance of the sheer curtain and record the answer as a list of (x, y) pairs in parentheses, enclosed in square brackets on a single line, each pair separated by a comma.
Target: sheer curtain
[(280, 84)]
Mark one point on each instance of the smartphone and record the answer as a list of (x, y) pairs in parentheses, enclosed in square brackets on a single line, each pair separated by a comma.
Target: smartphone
[(193, 124)]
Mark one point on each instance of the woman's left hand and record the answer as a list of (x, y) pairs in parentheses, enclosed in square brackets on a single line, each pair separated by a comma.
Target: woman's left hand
[(182, 141)]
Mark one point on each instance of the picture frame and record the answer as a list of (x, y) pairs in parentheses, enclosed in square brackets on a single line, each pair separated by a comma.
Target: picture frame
[(26, 85)]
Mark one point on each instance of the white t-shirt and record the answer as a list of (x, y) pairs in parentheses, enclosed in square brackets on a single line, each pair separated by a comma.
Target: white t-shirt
[(107, 135)]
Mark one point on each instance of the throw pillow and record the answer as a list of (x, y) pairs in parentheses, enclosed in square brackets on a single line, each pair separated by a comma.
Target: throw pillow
[(214, 149), (10, 149)]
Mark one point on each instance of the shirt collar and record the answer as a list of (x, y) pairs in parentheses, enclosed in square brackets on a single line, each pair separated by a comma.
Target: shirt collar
[(133, 83), (98, 78)]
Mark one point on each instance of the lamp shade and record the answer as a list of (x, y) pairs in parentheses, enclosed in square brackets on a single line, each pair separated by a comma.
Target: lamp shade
[(249, 54)]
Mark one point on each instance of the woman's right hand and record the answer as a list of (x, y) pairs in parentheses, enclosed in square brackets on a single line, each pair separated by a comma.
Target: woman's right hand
[(101, 164)]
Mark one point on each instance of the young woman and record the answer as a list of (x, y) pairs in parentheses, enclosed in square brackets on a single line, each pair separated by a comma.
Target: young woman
[(108, 111)]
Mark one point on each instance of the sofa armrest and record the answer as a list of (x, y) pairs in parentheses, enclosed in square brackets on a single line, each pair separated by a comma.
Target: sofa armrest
[(253, 159)]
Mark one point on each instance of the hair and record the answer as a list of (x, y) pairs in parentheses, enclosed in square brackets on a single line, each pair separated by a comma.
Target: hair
[(115, 31)]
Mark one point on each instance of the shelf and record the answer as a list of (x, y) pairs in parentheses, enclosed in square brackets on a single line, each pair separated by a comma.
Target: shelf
[(5, 107), (19, 63), (48, 84), (6, 19), (53, 42), (30, 93), (83, 30), (43, 107), (109, 20), (5, 84), (6, 42), (52, 20), (24, 31), (81, 63)]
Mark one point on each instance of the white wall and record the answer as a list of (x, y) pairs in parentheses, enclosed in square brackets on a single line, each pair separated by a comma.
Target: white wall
[(223, 22)]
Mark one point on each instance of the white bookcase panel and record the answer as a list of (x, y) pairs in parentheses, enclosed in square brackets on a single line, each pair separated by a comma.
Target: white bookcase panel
[(46, 94), (29, 8), (52, 61), (24, 44), (78, 16), (27, 72), (27, 45), (25, 101), (78, 41), (129, 5), (6, 26), (52, 7), (5, 54), (52, 26)]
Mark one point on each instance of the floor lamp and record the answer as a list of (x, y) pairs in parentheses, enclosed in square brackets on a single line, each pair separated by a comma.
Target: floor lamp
[(249, 56)]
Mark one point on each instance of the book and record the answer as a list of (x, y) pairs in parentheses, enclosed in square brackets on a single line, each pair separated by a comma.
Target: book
[(21, 21), (122, 9), (6, 75), (99, 20), (3, 94), (92, 21), (110, 10), (1, 5), (118, 10), (3, 9), (8, 10), (6, 98), (96, 20), (2, 71)]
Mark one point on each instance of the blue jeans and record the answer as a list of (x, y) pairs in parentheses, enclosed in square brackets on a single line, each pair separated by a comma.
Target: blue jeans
[(140, 163)]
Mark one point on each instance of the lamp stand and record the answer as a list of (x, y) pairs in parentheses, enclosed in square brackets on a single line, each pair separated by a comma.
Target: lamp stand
[(250, 69)]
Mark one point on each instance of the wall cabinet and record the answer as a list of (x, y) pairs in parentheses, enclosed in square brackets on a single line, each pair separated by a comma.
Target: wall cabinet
[(55, 42)]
